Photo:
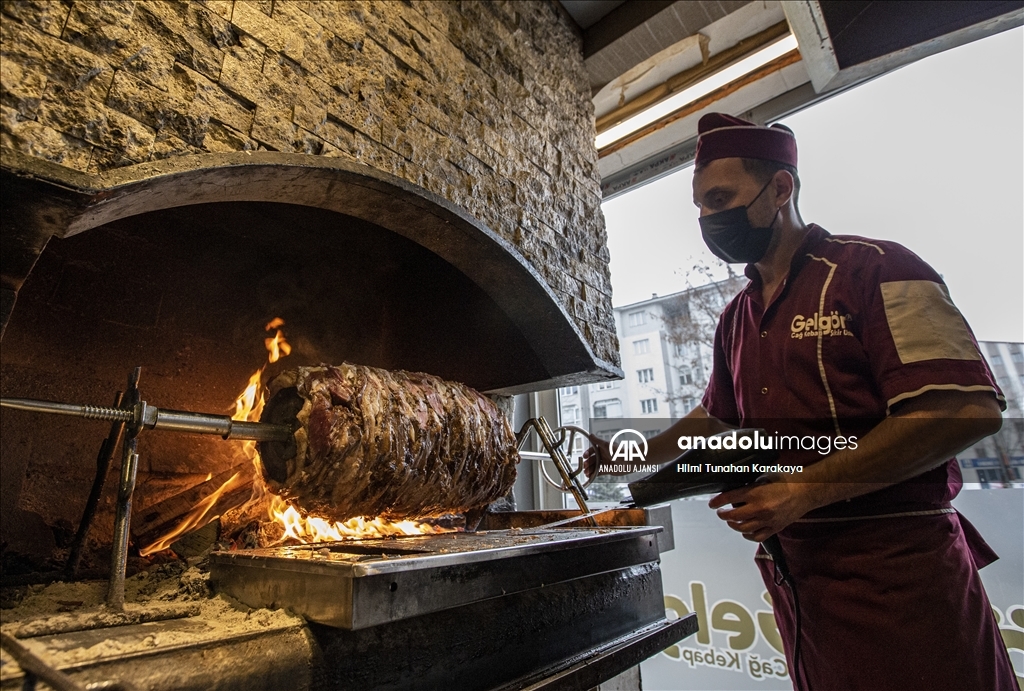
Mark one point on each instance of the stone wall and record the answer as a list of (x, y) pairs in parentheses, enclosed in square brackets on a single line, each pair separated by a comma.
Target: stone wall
[(486, 104)]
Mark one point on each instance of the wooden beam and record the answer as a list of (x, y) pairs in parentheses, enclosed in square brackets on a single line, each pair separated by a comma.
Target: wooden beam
[(775, 65), (688, 78)]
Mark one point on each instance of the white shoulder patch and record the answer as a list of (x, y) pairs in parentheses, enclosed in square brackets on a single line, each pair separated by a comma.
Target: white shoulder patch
[(924, 322)]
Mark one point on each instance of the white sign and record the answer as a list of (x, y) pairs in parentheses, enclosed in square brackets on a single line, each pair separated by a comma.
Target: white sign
[(711, 572)]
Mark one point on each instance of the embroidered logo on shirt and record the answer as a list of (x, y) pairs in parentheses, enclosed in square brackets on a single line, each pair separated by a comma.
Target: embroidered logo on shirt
[(833, 324)]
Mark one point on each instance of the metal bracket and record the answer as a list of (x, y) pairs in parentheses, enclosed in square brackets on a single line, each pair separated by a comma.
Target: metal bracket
[(553, 440)]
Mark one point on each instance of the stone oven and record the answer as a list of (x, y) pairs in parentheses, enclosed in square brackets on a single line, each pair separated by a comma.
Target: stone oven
[(407, 184)]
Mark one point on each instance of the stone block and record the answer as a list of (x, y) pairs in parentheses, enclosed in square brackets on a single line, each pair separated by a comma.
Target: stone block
[(160, 109), (333, 62), (309, 116), (357, 116), (33, 139), (48, 16), (373, 153), (246, 50), (221, 8), (56, 60), (337, 134), (76, 115), (20, 88), (240, 79), (247, 17), (346, 20), (98, 25), (223, 138), (436, 13), (289, 16), (212, 99), (273, 127)]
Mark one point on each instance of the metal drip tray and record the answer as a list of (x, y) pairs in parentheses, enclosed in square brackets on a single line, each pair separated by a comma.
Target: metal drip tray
[(362, 583)]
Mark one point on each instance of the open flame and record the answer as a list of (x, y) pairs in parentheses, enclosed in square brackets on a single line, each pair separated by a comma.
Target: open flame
[(312, 529), (296, 526)]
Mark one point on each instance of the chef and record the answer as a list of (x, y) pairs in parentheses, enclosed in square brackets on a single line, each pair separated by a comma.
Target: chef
[(840, 336)]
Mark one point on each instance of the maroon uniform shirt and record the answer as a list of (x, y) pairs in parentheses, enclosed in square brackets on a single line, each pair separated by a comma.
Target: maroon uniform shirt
[(889, 591)]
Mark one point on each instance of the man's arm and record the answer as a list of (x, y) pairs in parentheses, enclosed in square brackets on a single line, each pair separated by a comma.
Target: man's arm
[(663, 447), (922, 433)]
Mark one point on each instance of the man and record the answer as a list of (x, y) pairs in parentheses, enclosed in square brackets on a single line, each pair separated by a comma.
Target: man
[(844, 336)]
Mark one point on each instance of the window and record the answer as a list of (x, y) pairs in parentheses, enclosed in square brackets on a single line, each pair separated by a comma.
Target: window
[(649, 405), (605, 385), (1017, 356), (686, 376), (611, 407), (571, 415), (569, 390), (642, 347), (679, 349), (645, 375), (636, 318), (995, 360), (689, 403)]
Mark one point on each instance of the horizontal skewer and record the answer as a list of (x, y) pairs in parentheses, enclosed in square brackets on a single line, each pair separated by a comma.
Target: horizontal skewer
[(149, 417)]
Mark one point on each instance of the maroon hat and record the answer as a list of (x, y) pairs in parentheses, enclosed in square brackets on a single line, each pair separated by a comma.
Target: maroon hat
[(723, 136)]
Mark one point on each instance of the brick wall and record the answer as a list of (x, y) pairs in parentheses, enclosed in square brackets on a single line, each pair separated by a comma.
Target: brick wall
[(486, 104)]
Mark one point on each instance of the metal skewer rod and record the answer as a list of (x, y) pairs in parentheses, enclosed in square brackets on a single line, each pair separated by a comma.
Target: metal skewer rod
[(149, 417)]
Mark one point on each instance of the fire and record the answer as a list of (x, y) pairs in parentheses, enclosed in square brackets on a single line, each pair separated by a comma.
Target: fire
[(277, 346), (195, 517), (305, 529), (312, 529)]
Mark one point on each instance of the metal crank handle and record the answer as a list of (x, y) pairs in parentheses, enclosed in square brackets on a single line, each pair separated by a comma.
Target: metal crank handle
[(573, 430), (150, 417)]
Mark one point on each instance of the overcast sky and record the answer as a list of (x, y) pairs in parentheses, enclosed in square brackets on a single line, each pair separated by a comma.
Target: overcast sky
[(930, 156)]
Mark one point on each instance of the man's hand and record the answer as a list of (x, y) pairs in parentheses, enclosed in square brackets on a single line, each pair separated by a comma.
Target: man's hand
[(922, 433), (762, 509)]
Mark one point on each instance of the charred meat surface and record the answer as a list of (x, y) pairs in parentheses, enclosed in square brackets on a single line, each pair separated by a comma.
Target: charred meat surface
[(395, 444)]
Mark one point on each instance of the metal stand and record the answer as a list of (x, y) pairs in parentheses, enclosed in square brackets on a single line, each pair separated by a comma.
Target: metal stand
[(125, 489), (553, 441), (130, 415)]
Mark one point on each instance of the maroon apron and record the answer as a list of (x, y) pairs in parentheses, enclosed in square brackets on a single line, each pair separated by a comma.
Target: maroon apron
[(889, 603)]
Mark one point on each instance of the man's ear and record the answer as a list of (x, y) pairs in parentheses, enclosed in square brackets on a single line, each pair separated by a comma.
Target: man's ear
[(784, 186)]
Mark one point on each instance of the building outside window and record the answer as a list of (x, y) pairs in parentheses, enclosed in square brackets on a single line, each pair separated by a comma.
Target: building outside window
[(642, 347), (649, 405), (571, 415), (611, 407), (645, 375), (636, 318)]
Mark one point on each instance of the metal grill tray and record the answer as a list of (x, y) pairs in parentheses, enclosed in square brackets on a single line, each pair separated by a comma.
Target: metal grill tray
[(357, 584)]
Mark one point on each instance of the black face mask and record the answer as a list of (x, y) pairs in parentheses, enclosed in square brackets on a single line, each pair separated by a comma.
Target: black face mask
[(731, 238)]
